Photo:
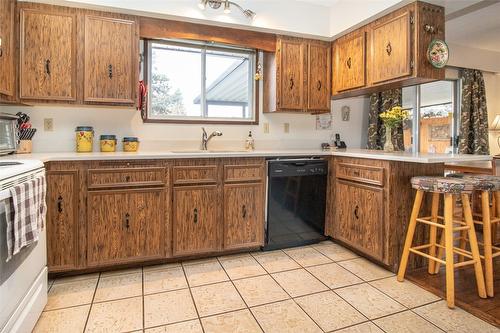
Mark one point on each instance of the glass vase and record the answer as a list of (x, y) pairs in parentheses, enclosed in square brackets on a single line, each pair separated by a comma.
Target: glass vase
[(388, 146)]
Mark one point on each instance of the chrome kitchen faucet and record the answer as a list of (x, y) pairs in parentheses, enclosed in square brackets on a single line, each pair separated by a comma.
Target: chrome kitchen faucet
[(205, 138)]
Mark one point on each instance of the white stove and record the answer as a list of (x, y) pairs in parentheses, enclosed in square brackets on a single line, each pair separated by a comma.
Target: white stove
[(23, 279)]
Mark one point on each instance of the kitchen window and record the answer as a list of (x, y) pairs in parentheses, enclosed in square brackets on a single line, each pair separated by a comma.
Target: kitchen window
[(196, 82)]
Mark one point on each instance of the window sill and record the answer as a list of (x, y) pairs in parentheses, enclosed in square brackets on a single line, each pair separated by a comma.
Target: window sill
[(202, 121)]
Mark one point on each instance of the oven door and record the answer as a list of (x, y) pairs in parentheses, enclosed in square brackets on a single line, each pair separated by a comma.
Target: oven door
[(8, 133)]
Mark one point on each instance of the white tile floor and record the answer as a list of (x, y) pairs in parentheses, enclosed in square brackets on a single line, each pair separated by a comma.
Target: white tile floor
[(320, 288)]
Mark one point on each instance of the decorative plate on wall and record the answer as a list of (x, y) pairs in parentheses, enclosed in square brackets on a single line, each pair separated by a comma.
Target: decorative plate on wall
[(438, 53)]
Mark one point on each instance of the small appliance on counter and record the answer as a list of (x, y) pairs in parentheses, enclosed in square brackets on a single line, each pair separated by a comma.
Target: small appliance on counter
[(84, 139), (8, 133), (130, 144), (108, 143), (26, 134)]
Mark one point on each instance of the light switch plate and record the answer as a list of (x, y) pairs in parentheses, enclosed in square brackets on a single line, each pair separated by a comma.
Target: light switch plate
[(266, 128), (286, 127), (48, 124)]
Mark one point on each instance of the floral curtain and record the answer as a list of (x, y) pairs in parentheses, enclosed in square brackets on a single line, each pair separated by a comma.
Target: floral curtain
[(473, 138), (380, 102)]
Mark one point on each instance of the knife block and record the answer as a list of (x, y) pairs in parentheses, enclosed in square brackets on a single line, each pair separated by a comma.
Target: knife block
[(25, 147)]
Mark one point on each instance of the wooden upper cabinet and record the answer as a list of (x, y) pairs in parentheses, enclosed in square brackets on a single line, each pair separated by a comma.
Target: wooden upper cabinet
[(47, 55), (111, 60), (349, 62), (390, 48), (318, 70), (291, 93), (62, 220), (7, 80)]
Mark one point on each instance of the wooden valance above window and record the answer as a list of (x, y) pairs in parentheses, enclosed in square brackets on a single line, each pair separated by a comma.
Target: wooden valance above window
[(151, 28)]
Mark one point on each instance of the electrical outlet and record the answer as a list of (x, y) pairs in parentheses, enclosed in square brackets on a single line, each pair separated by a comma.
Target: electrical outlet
[(48, 124), (286, 127), (266, 128)]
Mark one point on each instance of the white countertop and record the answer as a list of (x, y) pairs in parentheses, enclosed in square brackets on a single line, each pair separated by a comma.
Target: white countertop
[(358, 153)]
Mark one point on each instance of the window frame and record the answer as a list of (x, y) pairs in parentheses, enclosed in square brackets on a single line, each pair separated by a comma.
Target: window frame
[(255, 101)]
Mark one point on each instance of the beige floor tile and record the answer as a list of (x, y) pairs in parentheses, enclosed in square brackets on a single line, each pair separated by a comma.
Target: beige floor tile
[(406, 293), (284, 317), (204, 273), (217, 298), (365, 269), (62, 321), (118, 286), (81, 277), (330, 311), (122, 272), (307, 256), (334, 251), (260, 290), (334, 276), (191, 326), (275, 261), (161, 267), (73, 293), (198, 261), (362, 328), (454, 320), (235, 322), (241, 266), (299, 282), (167, 308), (162, 280), (116, 316), (369, 301), (406, 322)]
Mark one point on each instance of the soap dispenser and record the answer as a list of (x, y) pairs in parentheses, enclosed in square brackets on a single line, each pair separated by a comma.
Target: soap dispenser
[(250, 143)]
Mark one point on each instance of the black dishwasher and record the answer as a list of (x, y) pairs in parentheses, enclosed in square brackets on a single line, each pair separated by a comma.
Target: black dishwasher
[(296, 202)]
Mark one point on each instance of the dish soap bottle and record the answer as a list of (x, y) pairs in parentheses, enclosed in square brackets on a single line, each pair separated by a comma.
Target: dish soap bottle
[(250, 143)]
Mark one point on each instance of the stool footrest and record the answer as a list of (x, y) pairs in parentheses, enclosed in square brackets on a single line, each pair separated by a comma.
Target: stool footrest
[(464, 263), (423, 254)]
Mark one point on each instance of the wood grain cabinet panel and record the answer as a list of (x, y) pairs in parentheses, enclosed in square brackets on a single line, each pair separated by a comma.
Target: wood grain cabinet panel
[(125, 226), (126, 177), (47, 55), (390, 49), (7, 79), (291, 74), (349, 56), (196, 224), (110, 60), (62, 220), (243, 216), (318, 71)]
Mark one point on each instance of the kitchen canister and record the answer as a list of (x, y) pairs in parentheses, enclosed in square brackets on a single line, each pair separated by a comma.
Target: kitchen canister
[(130, 144), (108, 143), (84, 139)]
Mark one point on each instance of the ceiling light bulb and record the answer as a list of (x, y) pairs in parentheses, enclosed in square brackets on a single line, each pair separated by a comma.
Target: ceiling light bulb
[(227, 7), (202, 4)]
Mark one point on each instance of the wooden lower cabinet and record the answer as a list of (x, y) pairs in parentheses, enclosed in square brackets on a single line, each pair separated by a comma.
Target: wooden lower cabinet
[(196, 220), (360, 218), (62, 220), (243, 216), (125, 226)]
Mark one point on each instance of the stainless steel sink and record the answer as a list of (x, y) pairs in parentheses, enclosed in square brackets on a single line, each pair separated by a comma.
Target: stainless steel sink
[(197, 151)]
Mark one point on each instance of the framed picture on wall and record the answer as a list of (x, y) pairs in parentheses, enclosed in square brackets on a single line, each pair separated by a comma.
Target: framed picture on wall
[(439, 132)]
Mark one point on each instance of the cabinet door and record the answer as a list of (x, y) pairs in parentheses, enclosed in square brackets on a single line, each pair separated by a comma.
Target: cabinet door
[(360, 217), (47, 55), (124, 226), (110, 64), (196, 222), (391, 56), (62, 220), (7, 47), (243, 216), (291, 86), (349, 69), (318, 69)]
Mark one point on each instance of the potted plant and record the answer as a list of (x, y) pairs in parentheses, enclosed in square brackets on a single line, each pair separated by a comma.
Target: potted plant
[(392, 118)]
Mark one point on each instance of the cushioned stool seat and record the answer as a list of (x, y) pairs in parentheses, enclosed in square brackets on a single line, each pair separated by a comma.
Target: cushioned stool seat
[(449, 185), (481, 182)]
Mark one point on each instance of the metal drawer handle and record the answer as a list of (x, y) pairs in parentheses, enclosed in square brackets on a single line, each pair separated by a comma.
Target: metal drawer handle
[(356, 212), (59, 204), (110, 71), (244, 211), (349, 62), (319, 85), (195, 219), (127, 178), (388, 49), (292, 83), (356, 173), (47, 66), (127, 220)]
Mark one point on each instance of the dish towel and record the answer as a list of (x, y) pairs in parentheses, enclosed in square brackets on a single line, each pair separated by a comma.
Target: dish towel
[(25, 214)]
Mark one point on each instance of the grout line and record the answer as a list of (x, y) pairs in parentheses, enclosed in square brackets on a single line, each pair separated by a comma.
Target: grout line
[(192, 298), (143, 301), (349, 326), (92, 302)]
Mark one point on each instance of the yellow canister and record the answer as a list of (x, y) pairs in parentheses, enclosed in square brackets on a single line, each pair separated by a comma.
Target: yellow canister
[(130, 144), (84, 139), (108, 143)]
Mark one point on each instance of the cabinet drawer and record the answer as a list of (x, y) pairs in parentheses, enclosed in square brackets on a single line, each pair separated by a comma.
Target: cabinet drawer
[(243, 173), (126, 177), (362, 173), (195, 174)]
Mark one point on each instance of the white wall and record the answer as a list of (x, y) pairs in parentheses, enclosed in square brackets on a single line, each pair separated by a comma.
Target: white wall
[(492, 84)]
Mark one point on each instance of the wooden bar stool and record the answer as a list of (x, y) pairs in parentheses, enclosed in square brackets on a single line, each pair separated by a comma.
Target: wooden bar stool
[(450, 188), (488, 186)]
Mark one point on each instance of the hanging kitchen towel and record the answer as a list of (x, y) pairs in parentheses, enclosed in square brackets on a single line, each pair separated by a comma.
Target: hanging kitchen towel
[(25, 214)]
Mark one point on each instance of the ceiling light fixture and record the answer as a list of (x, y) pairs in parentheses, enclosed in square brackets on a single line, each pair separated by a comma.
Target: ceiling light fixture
[(216, 4)]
